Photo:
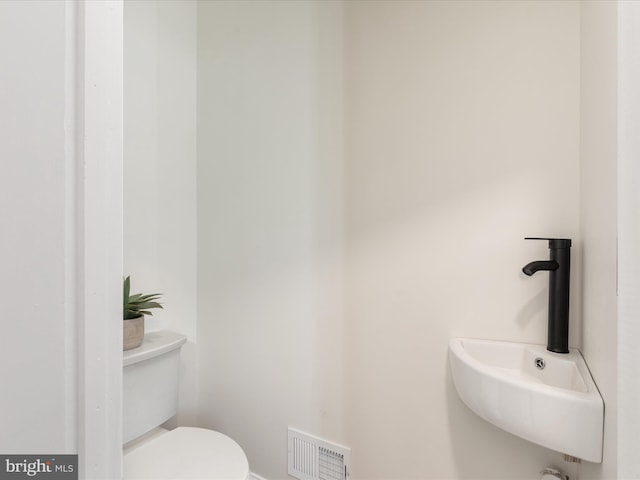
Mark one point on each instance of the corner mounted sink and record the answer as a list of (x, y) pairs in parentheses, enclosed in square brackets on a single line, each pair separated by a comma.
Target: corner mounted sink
[(544, 397)]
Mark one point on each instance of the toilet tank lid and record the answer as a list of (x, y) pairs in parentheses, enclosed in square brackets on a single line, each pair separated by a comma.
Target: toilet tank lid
[(154, 344)]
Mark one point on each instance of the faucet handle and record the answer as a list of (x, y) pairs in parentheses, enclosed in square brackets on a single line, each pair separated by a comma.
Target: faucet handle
[(554, 242)]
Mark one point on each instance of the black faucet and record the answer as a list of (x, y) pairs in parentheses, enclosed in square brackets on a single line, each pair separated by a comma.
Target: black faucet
[(558, 266)]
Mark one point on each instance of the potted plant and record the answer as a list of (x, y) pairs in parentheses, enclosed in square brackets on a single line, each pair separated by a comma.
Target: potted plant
[(135, 307)]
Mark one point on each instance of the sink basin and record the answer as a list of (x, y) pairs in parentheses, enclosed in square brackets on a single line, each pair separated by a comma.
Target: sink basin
[(544, 397)]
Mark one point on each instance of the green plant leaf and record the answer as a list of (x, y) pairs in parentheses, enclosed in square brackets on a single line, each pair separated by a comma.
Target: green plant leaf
[(138, 304), (148, 305), (151, 296), (127, 287)]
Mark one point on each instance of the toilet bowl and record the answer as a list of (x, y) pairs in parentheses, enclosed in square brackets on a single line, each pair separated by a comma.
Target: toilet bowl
[(187, 453), (150, 398)]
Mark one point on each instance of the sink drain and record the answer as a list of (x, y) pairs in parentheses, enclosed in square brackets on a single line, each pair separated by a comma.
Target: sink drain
[(539, 361)]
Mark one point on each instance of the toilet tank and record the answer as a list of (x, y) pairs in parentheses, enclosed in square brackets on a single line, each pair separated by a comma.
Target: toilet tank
[(150, 383)]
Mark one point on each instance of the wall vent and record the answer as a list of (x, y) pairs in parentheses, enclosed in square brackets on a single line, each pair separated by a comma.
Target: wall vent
[(311, 458)]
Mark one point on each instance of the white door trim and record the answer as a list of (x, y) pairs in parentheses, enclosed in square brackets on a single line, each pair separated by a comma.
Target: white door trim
[(98, 119)]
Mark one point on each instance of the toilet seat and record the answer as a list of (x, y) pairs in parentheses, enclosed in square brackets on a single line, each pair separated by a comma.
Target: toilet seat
[(187, 453)]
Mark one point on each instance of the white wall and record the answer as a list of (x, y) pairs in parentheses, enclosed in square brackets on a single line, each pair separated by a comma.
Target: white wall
[(270, 340), (61, 122), (462, 138), (38, 353), (160, 169), (629, 238), (598, 213), (432, 222)]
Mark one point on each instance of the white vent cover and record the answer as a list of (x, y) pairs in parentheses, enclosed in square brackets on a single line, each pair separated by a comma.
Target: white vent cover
[(311, 458)]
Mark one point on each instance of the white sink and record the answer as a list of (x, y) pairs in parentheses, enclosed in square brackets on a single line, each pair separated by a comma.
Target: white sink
[(544, 397)]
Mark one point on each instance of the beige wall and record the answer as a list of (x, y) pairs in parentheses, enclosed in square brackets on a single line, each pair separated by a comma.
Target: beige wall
[(461, 137), (598, 207)]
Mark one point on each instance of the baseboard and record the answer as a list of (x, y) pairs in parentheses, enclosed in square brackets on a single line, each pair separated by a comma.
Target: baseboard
[(255, 476)]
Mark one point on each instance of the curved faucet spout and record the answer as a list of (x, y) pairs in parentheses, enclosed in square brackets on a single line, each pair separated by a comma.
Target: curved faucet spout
[(531, 268)]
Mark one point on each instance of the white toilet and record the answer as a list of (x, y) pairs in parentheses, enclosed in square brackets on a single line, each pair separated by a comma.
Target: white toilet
[(150, 391)]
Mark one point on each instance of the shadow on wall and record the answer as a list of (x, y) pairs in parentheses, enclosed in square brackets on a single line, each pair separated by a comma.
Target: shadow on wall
[(533, 308)]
